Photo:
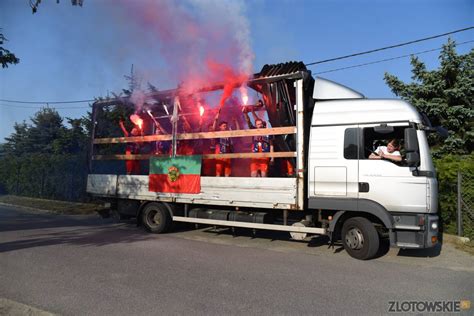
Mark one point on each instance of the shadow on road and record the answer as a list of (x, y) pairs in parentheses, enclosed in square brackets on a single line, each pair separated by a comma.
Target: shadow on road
[(312, 241), (45, 230), (236, 231), (20, 220), (421, 253)]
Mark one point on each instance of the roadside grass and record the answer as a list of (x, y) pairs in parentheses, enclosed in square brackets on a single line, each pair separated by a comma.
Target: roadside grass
[(466, 246), (53, 206)]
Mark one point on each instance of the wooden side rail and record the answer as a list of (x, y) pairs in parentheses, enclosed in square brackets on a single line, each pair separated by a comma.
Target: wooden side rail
[(204, 135), (284, 154)]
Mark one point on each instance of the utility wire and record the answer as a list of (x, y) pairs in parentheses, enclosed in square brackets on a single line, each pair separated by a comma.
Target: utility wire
[(308, 64), (46, 102), (389, 47), (43, 106), (388, 59)]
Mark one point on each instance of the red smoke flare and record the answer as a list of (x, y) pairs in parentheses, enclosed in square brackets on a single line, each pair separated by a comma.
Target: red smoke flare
[(244, 94), (136, 120), (201, 110), (231, 78)]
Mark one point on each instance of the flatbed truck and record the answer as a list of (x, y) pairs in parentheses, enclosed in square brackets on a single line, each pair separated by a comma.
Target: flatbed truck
[(327, 132)]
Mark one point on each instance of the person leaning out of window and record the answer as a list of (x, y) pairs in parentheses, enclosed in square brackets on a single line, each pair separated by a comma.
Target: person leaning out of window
[(390, 152)]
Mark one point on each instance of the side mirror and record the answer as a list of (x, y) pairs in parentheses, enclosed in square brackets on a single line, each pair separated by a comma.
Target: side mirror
[(411, 141), (411, 147), (413, 159)]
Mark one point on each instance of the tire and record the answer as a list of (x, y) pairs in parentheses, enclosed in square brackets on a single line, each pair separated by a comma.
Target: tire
[(156, 218), (360, 238)]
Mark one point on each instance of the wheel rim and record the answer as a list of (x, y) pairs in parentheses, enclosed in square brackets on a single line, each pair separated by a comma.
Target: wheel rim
[(354, 238), (153, 218)]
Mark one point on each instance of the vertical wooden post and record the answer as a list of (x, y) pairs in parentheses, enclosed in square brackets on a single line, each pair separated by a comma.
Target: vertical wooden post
[(174, 122), (300, 143)]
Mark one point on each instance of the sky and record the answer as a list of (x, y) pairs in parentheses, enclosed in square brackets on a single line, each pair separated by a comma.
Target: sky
[(70, 53)]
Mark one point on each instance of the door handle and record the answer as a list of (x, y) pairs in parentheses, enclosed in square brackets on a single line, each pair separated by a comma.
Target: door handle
[(363, 187)]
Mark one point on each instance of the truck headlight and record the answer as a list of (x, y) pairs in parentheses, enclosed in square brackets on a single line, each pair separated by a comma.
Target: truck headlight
[(434, 226)]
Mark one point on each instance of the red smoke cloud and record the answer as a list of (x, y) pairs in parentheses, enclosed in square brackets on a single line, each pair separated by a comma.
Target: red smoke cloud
[(202, 41), (228, 76)]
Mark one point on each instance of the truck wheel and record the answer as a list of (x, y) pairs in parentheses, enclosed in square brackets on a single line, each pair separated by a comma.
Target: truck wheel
[(156, 218), (360, 238)]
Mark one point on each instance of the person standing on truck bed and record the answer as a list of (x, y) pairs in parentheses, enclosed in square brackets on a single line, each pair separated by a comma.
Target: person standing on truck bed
[(390, 152), (223, 145), (185, 146), (162, 147), (260, 144), (208, 146), (132, 166)]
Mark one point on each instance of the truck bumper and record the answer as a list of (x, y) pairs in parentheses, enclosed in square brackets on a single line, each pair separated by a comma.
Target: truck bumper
[(424, 235)]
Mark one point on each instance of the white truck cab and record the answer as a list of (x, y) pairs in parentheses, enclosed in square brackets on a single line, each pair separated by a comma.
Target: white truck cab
[(345, 129)]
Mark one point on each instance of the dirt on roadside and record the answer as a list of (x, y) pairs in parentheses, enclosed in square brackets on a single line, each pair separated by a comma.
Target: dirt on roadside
[(459, 243)]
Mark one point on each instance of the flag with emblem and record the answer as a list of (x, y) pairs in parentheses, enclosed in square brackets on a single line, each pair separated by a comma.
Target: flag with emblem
[(175, 174)]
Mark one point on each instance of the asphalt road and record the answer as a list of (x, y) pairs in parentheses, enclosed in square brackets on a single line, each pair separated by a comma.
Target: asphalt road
[(85, 265)]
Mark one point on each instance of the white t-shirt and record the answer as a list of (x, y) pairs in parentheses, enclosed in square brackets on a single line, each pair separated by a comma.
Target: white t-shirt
[(385, 151)]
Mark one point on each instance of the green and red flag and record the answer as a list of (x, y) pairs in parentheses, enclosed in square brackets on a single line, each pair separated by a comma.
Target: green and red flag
[(180, 174)]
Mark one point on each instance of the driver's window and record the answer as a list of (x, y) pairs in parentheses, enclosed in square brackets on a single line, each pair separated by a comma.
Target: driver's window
[(384, 144)]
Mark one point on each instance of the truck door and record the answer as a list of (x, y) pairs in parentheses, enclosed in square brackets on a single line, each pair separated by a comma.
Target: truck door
[(333, 162), (387, 182)]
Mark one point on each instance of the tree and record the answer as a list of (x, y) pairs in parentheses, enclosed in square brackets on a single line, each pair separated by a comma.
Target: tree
[(134, 83), (18, 143), (6, 57), (47, 127), (46, 158), (39, 137), (445, 95), (72, 140)]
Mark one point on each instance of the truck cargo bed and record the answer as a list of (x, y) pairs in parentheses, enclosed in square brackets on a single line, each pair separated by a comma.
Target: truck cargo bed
[(277, 193)]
